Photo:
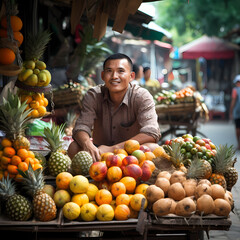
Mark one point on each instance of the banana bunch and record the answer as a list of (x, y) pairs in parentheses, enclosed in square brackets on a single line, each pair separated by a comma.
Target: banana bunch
[(34, 73)]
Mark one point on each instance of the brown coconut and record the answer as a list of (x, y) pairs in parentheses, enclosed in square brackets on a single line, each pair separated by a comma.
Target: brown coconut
[(228, 197), (163, 183), (164, 174), (222, 207), (217, 191), (204, 181), (205, 205), (154, 193), (203, 189), (177, 176), (176, 191), (189, 186), (162, 207), (186, 207)]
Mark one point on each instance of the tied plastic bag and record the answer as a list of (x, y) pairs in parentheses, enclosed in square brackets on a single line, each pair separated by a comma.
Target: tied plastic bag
[(36, 128)]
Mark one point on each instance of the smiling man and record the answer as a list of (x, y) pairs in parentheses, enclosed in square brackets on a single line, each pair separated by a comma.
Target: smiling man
[(115, 112)]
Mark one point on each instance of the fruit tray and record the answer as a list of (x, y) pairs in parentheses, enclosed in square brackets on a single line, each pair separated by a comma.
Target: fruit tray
[(69, 96)]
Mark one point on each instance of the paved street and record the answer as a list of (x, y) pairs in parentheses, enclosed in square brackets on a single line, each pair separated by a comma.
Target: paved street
[(221, 132)]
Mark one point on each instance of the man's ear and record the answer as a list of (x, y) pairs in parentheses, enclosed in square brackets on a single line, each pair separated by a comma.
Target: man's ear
[(132, 75)]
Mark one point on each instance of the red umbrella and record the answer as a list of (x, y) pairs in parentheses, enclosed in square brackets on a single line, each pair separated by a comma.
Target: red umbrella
[(208, 48)]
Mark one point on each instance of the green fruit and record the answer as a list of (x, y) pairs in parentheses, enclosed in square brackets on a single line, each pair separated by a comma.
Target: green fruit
[(49, 77), (189, 146), (32, 80), (36, 71), (188, 155), (29, 64), (26, 73), (42, 78), (195, 138), (193, 151), (199, 154), (40, 65)]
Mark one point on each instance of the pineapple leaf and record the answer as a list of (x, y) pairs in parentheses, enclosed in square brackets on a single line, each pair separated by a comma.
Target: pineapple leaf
[(196, 168)]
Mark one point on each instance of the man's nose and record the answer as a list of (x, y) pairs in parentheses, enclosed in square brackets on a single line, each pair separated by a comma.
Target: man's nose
[(114, 74)]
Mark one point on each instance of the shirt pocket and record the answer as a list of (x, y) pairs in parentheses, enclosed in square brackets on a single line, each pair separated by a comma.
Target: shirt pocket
[(129, 130)]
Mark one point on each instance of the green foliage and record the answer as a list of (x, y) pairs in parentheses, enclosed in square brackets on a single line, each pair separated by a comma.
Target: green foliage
[(210, 17)]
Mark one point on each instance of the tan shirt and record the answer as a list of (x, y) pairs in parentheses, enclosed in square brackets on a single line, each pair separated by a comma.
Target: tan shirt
[(136, 114)]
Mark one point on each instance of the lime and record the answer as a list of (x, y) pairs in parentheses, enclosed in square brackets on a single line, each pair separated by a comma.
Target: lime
[(195, 138)]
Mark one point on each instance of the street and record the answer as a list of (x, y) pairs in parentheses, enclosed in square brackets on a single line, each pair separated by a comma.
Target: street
[(223, 132)]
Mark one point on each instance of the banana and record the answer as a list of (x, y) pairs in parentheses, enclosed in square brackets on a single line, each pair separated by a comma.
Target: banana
[(40, 65), (30, 64), (49, 77), (26, 73)]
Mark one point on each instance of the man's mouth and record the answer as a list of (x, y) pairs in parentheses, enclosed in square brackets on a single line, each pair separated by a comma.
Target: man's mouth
[(115, 82)]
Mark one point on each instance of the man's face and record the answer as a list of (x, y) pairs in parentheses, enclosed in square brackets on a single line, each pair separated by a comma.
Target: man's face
[(117, 74)]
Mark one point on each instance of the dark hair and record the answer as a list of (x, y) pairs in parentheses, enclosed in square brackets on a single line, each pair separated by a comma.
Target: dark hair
[(118, 56), (135, 68), (145, 69)]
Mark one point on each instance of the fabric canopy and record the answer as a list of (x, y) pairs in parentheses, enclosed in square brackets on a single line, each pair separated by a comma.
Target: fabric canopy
[(208, 48)]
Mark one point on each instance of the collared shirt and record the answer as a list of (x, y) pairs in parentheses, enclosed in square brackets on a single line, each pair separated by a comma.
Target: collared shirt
[(109, 126)]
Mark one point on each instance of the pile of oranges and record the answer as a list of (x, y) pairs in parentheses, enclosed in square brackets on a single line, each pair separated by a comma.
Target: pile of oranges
[(11, 160), (7, 55), (37, 102)]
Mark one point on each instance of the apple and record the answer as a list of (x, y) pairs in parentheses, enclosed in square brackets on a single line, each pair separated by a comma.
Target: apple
[(208, 146), (150, 164), (200, 142), (140, 155), (129, 160), (49, 189), (113, 160), (146, 172), (144, 148), (105, 155), (133, 170), (98, 171), (206, 140), (188, 140)]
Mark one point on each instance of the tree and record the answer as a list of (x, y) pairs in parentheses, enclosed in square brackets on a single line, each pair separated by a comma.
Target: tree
[(210, 17)]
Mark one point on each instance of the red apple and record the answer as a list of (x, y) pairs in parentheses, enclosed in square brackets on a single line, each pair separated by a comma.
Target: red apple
[(146, 172), (187, 140), (133, 170), (129, 160), (208, 146), (200, 142), (144, 148), (98, 171), (206, 140), (113, 160)]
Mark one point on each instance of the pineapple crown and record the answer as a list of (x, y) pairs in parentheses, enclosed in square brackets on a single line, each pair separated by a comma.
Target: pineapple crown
[(13, 116), (53, 135), (175, 153), (36, 45), (7, 188), (33, 181), (224, 158), (196, 168)]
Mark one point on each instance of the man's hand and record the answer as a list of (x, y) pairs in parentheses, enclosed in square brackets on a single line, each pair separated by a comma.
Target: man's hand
[(104, 148)]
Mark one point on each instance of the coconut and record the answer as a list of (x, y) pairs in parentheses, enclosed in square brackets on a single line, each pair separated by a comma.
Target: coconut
[(163, 183), (205, 204), (177, 176), (154, 193), (228, 197), (162, 206), (204, 181), (186, 207), (189, 186), (217, 191), (176, 191), (164, 174), (173, 206), (203, 189), (222, 207)]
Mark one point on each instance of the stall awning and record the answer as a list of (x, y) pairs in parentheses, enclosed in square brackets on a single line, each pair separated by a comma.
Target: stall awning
[(208, 48)]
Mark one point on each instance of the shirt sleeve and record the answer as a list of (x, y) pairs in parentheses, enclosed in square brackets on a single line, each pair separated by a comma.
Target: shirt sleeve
[(87, 115), (146, 114)]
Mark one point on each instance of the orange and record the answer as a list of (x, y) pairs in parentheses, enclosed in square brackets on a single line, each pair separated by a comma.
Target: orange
[(5, 160), (141, 188), (4, 166), (7, 56), (22, 153), (131, 145), (35, 113), (45, 102), (118, 188), (16, 160), (6, 142), (23, 166), (150, 155), (120, 151), (31, 154), (35, 160), (122, 199), (29, 160), (6, 173), (34, 104), (16, 23), (63, 179), (36, 166), (1, 153), (17, 35), (12, 169), (9, 151), (103, 196), (130, 184), (18, 177), (41, 102), (37, 96), (122, 212), (42, 111)]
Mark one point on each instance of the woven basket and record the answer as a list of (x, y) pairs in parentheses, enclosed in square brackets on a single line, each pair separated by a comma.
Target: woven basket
[(66, 97)]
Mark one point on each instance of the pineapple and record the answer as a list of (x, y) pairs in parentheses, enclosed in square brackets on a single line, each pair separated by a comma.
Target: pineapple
[(176, 157), (17, 207), (81, 163), (58, 161), (13, 120), (199, 168), (231, 176), (223, 160), (44, 207)]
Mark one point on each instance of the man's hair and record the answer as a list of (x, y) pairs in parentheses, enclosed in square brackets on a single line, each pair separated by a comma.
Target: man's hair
[(135, 68), (118, 56), (145, 69)]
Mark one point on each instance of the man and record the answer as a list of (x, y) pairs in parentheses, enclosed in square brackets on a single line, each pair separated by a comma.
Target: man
[(148, 81), (234, 111), (115, 112)]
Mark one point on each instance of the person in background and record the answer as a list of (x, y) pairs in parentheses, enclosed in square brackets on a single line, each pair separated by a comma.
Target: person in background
[(234, 112), (149, 82), (138, 70), (115, 112)]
